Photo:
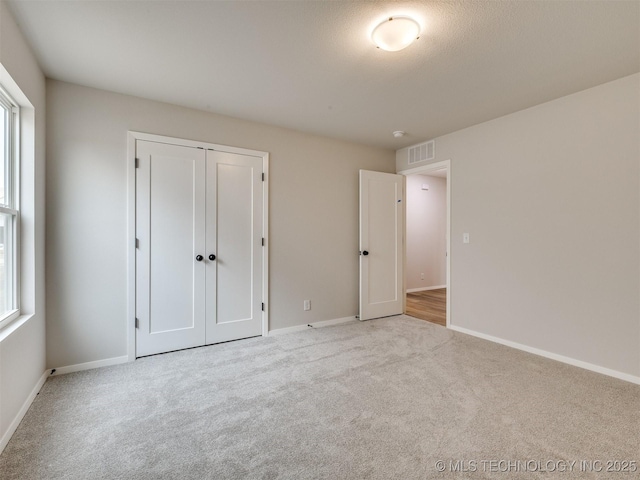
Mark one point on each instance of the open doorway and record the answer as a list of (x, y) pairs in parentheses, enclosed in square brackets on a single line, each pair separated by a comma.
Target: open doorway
[(427, 246)]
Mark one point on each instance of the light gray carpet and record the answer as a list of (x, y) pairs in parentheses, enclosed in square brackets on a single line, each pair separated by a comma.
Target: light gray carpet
[(384, 399)]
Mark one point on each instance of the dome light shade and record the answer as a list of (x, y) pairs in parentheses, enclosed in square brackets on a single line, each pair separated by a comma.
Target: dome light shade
[(395, 33)]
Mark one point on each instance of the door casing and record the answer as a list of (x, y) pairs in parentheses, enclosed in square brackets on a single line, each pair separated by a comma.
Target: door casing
[(132, 137)]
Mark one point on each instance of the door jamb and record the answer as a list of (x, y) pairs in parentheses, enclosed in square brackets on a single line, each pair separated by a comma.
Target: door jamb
[(425, 169), (132, 137)]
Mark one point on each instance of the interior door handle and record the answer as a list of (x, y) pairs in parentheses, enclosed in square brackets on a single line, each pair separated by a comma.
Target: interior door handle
[(199, 258), (365, 253), (212, 257)]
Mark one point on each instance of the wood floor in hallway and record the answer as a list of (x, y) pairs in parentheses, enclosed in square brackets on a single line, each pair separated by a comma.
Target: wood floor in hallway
[(429, 305)]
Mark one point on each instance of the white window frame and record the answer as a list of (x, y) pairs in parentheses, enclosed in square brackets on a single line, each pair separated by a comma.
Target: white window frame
[(12, 145)]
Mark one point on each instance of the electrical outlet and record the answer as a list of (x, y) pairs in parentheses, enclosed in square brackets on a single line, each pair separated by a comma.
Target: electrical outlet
[(307, 305), (465, 238), (422, 276)]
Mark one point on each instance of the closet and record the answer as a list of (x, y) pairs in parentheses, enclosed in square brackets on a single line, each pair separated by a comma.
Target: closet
[(199, 253)]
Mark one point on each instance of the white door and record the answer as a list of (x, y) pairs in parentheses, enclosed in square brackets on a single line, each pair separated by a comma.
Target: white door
[(381, 247), (234, 246), (199, 254), (170, 297)]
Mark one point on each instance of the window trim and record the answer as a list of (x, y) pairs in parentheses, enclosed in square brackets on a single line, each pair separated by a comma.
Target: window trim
[(12, 192)]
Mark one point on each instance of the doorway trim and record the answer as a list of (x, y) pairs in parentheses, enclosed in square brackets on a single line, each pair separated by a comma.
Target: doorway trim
[(132, 137), (424, 170)]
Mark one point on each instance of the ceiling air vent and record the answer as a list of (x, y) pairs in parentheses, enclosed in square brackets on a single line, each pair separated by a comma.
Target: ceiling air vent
[(423, 152)]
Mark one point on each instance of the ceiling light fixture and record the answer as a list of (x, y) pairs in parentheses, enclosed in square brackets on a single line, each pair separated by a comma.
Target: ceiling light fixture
[(395, 33), (398, 133)]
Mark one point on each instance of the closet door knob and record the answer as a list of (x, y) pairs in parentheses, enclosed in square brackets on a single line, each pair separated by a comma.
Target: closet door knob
[(212, 257), (365, 253), (199, 258)]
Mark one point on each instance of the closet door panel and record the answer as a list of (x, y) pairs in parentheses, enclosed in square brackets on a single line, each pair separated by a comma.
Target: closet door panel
[(234, 242), (234, 236), (170, 189)]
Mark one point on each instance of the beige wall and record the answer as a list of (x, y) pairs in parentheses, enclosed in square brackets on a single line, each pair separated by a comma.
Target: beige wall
[(550, 198), (313, 215), (22, 344), (426, 240)]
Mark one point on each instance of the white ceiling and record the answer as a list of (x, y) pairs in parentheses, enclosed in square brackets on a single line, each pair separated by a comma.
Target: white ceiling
[(310, 65)]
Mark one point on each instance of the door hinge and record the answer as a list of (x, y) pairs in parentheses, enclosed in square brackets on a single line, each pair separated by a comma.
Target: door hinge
[(137, 243), (137, 323), (137, 162), (263, 241), (263, 306), (263, 176)]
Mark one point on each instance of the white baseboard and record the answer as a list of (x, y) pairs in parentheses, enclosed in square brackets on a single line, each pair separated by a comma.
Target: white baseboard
[(89, 365), (22, 412), (553, 356), (324, 323), (423, 289)]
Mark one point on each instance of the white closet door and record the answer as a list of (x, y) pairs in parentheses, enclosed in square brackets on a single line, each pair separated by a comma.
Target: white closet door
[(234, 236), (170, 230), (381, 248)]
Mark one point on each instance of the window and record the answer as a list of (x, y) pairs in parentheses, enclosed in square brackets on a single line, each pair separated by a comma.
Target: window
[(9, 213)]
